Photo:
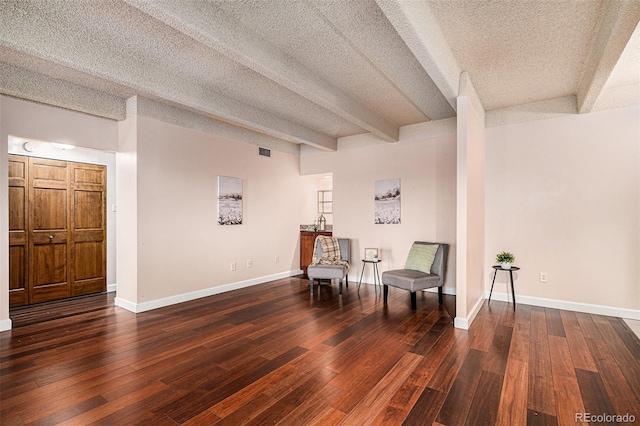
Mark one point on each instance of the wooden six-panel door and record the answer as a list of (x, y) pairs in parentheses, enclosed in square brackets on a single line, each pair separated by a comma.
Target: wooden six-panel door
[(57, 230), (88, 228), (18, 230), (49, 254)]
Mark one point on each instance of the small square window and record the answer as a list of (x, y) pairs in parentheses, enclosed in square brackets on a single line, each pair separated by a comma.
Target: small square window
[(325, 202)]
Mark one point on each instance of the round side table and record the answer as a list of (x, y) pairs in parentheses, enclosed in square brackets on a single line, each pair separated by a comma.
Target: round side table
[(376, 276), (510, 270)]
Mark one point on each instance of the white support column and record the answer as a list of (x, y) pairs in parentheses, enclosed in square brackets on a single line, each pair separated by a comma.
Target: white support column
[(5, 322), (127, 202), (470, 220)]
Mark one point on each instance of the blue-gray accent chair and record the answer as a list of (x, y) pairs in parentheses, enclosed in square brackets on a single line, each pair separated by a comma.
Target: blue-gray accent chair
[(330, 272), (408, 279)]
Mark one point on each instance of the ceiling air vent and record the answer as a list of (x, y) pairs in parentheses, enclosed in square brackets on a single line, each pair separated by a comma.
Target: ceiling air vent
[(264, 152)]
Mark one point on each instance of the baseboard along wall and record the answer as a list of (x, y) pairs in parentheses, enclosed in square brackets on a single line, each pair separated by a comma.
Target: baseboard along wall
[(185, 297)]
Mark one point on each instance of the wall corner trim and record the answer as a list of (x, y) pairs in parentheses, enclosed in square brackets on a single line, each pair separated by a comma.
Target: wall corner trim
[(611, 311), (461, 323), (185, 297), (5, 325), (465, 323), (112, 287), (125, 304)]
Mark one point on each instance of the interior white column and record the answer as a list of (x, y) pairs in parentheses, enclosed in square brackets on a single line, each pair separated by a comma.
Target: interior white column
[(127, 205), (5, 322), (470, 209)]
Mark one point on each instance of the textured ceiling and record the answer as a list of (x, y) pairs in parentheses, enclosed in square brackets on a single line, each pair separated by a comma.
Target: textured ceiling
[(309, 72), (520, 52)]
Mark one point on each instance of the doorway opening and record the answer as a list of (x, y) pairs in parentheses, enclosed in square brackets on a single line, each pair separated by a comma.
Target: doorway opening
[(59, 230)]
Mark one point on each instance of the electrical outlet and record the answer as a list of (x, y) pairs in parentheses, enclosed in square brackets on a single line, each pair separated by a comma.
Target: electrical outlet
[(277, 259), (543, 277), (233, 266), (249, 263)]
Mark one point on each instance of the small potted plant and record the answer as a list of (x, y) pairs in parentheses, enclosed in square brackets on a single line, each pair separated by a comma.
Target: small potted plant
[(505, 259)]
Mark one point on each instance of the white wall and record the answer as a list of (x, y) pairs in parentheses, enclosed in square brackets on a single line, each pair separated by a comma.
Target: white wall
[(34, 121), (169, 242), (181, 248), (564, 196), (424, 160)]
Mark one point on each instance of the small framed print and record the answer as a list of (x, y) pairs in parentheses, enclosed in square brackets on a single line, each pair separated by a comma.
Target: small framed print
[(371, 254), (229, 200)]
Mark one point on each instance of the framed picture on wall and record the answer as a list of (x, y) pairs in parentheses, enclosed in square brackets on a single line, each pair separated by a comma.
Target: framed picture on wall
[(229, 200), (387, 201), (371, 254)]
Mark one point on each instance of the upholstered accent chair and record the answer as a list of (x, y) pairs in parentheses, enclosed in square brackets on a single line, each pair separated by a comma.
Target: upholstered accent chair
[(413, 279), (330, 272)]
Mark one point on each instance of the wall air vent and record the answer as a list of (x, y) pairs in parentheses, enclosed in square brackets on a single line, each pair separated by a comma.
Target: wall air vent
[(264, 152)]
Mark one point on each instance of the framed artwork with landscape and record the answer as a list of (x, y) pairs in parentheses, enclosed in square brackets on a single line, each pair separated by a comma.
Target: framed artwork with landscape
[(387, 201), (229, 200)]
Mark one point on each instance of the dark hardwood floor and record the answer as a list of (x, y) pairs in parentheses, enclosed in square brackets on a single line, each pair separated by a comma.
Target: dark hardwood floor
[(272, 354)]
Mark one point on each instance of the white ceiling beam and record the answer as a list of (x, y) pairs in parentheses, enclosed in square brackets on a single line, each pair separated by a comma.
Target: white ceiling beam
[(188, 118), (359, 22), (215, 105), (469, 90), (616, 27), (136, 76), (419, 29), (220, 33), (25, 84)]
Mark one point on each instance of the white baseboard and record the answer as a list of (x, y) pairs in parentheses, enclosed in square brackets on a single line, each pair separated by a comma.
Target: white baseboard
[(125, 304), (5, 324), (451, 291), (633, 314), (185, 297), (111, 288), (465, 323)]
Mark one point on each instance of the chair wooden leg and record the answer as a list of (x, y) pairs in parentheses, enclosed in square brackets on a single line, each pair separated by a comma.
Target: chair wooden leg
[(413, 301), (347, 281), (385, 293), (340, 287), (440, 295), (311, 284)]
